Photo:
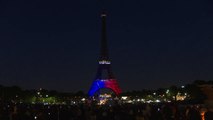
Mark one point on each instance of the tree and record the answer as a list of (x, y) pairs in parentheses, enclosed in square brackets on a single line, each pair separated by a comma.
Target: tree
[(80, 94), (174, 91), (195, 93)]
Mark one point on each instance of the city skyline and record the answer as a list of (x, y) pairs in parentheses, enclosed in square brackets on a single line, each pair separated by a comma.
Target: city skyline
[(55, 45)]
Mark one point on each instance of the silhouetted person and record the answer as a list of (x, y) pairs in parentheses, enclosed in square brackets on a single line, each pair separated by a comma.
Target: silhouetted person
[(194, 114), (209, 114)]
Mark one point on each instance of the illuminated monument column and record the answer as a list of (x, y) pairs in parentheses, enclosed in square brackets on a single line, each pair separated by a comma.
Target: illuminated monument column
[(108, 81)]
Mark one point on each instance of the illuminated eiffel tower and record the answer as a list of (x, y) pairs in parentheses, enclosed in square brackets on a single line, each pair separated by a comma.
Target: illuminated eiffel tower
[(104, 80)]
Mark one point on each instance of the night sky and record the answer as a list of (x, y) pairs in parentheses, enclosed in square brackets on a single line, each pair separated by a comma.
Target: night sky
[(54, 44)]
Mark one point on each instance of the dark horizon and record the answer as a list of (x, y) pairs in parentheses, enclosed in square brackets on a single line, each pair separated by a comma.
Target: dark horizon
[(152, 44)]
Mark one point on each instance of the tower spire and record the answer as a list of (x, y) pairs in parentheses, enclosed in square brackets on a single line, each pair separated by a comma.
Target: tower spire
[(104, 55)]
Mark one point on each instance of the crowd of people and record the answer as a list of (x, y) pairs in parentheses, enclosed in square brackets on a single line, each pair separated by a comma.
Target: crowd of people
[(166, 111)]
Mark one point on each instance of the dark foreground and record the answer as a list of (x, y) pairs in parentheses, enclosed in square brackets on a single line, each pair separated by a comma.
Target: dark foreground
[(167, 111)]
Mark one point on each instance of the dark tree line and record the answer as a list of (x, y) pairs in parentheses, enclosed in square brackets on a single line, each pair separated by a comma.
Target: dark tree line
[(193, 90), (195, 95)]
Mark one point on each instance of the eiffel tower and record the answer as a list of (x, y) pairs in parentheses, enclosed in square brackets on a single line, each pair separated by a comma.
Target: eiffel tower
[(106, 80)]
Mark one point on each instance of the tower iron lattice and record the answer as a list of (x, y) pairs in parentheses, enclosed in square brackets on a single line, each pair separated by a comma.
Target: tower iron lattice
[(104, 65)]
